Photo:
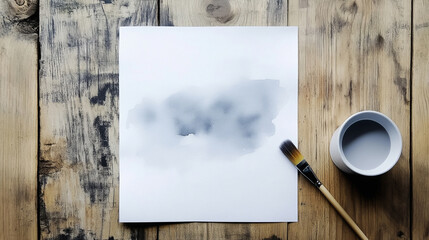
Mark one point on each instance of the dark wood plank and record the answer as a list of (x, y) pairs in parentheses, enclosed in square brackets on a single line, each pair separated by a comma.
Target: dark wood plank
[(79, 117), (18, 119), (223, 13), (353, 55), (420, 120)]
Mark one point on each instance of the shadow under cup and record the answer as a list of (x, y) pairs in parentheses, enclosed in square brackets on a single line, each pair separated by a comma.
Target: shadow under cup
[(367, 143)]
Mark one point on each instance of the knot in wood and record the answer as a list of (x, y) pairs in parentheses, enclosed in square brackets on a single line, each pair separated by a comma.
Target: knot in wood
[(22, 9), (220, 10)]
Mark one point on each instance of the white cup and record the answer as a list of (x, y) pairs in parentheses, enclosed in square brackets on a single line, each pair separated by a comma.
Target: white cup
[(368, 143)]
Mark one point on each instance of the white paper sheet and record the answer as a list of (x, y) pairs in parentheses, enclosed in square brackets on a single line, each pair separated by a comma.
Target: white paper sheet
[(202, 114)]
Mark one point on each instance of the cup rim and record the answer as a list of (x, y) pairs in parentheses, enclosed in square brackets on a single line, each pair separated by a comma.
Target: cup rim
[(394, 135)]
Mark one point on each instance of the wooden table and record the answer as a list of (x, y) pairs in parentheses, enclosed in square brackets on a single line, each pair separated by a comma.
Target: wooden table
[(59, 113)]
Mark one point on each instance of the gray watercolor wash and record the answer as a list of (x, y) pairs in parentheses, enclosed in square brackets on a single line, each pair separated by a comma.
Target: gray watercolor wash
[(235, 120)]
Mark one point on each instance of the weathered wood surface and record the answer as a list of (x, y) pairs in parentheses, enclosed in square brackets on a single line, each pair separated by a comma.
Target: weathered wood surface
[(223, 13), (353, 56), (420, 121), (78, 167), (18, 119)]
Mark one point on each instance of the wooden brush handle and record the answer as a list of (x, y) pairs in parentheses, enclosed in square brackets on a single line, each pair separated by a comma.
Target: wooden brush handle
[(343, 213)]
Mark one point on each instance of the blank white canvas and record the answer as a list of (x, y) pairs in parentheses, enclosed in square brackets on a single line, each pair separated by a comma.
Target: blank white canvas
[(202, 114)]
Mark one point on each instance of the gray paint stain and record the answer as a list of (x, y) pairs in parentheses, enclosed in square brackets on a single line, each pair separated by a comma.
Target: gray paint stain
[(237, 118)]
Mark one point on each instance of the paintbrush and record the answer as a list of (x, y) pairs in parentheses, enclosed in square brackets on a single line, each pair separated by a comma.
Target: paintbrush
[(292, 153)]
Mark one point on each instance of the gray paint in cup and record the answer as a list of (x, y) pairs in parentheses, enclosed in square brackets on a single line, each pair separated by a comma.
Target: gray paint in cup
[(366, 144)]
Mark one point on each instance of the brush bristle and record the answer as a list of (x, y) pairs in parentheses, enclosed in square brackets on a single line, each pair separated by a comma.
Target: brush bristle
[(291, 152)]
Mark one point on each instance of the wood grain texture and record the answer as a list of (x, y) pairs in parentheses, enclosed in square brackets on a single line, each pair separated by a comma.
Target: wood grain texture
[(420, 120), (235, 231), (353, 56), (18, 119), (188, 231), (78, 162), (223, 13)]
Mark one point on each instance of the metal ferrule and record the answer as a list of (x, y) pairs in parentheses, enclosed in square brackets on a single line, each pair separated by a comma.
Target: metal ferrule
[(306, 170)]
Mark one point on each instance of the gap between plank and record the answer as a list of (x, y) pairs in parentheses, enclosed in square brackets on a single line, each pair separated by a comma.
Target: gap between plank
[(38, 187), (411, 119)]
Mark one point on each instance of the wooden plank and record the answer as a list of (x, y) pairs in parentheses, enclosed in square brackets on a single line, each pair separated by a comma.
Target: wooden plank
[(78, 162), (188, 231), (18, 119), (235, 231), (353, 55), (223, 13), (420, 121)]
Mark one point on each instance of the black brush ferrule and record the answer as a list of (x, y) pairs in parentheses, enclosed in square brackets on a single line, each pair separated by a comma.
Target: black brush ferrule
[(306, 170)]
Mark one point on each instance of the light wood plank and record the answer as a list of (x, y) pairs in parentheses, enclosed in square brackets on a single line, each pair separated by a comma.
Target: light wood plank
[(185, 231), (18, 120), (224, 13), (353, 55), (420, 120), (78, 117)]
